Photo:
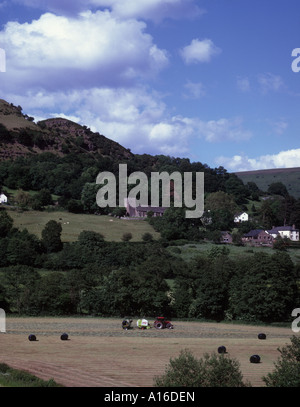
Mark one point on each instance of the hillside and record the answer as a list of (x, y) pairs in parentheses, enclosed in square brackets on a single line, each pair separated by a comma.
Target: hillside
[(20, 136), (264, 178)]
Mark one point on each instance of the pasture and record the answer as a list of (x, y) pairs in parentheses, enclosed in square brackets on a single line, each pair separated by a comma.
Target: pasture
[(191, 250), (73, 224), (99, 353)]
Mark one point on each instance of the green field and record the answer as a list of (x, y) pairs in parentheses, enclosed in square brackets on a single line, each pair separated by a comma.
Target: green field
[(189, 251), (73, 224)]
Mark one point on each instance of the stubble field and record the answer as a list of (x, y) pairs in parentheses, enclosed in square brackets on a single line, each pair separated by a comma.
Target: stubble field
[(99, 353)]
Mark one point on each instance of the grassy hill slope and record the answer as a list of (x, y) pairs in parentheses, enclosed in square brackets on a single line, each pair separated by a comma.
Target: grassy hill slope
[(73, 224), (290, 177)]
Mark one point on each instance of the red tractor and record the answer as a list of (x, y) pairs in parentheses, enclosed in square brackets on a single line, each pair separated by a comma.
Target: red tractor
[(162, 323)]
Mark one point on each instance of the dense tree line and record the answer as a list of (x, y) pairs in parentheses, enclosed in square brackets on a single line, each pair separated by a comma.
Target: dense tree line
[(73, 176), (92, 276)]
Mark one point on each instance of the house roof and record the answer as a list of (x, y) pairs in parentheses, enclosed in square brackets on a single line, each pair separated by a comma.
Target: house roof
[(253, 233), (278, 229), (156, 209)]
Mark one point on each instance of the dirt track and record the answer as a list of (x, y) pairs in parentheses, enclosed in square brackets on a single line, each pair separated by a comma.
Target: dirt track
[(100, 354)]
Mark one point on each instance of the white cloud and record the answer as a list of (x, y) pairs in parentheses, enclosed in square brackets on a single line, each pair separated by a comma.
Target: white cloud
[(284, 159), (243, 84), (135, 118), (280, 126), (270, 83), (56, 52), (130, 116), (155, 10), (194, 90), (223, 130), (199, 51)]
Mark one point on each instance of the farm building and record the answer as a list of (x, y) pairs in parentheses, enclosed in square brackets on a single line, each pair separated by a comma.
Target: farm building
[(3, 198), (241, 217), (285, 231), (134, 211), (226, 237), (258, 237), (155, 211)]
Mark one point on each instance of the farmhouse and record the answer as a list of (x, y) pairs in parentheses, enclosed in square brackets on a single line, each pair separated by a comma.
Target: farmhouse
[(241, 217), (226, 237), (134, 211), (3, 198), (155, 211), (258, 237), (289, 232)]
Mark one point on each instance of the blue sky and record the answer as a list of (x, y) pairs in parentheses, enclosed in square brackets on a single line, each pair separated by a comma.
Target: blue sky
[(210, 80)]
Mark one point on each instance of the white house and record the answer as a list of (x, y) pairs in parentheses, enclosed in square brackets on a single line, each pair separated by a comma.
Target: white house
[(285, 231), (241, 217), (3, 198)]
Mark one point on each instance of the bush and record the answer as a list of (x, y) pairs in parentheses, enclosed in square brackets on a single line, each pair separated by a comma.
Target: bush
[(287, 367), (210, 371), (126, 237), (147, 237)]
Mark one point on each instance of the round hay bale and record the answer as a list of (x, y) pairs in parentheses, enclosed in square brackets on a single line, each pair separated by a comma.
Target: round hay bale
[(262, 336), (221, 349), (255, 359), (32, 338), (64, 337)]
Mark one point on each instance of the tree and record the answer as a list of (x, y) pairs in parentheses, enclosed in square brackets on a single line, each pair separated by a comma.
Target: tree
[(264, 288), (51, 236), (210, 371), (52, 295), (22, 198), (173, 225), (235, 187), (287, 367), (6, 223), (41, 199), (74, 206), (267, 215), (220, 200), (20, 283), (22, 248), (147, 237), (222, 207), (88, 198), (213, 275), (91, 239), (278, 188)]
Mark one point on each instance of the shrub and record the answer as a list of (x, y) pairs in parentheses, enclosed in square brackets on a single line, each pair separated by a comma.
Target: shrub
[(126, 237), (287, 367), (147, 237), (210, 371)]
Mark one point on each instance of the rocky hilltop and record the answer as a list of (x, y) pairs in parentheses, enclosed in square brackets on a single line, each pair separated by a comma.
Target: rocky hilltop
[(21, 136)]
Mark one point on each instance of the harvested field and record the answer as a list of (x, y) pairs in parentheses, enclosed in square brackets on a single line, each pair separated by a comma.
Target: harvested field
[(100, 354)]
